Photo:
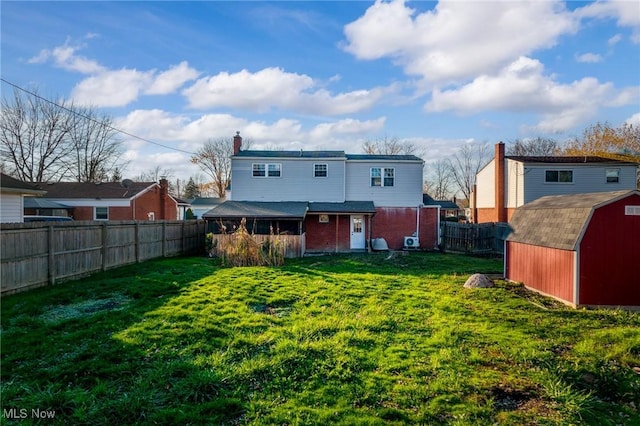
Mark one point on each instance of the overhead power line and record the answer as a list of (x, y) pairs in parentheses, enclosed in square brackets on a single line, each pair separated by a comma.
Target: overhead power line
[(124, 132)]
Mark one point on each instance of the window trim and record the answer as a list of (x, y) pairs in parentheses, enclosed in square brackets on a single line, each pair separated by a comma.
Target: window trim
[(266, 170), (558, 171), (326, 170), (95, 212), (382, 177), (617, 176)]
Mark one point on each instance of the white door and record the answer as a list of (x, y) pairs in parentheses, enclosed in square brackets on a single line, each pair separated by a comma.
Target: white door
[(357, 232)]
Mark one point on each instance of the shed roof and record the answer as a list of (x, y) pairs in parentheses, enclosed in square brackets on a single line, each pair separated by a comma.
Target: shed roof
[(259, 209), (43, 203), (558, 221), (428, 200)]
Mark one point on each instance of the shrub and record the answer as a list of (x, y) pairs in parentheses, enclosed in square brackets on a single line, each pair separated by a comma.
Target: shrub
[(242, 249)]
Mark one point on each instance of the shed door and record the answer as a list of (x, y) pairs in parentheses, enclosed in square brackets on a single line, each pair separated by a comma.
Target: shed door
[(357, 232)]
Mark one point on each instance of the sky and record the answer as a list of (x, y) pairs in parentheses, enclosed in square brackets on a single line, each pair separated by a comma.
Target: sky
[(328, 75)]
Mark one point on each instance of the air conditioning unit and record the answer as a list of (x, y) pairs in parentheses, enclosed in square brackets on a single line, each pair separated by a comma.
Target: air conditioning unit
[(411, 243)]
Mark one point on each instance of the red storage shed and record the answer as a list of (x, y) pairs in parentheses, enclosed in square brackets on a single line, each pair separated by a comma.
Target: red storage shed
[(582, 249)]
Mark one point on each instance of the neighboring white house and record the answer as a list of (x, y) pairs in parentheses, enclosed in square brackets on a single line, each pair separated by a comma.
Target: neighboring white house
[(340, 192), (12, 193), (508, 182)]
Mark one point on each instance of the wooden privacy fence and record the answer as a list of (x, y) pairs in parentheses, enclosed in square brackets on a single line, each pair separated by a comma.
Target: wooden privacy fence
[(36, 254), (473, 238), (291, 245)]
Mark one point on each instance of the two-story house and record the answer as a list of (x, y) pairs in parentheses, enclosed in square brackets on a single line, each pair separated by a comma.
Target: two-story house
[(508, 182), (338, 201)]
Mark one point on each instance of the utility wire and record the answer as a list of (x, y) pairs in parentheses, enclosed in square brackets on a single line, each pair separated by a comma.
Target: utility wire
[(94, 120)]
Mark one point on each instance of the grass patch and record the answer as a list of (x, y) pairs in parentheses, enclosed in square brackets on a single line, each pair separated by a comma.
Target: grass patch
[(350, 339)]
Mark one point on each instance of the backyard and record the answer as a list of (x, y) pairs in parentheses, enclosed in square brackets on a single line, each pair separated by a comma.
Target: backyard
[(361, 339)]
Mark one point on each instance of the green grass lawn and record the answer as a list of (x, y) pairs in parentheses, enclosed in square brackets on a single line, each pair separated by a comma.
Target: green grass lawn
[(353, 340)]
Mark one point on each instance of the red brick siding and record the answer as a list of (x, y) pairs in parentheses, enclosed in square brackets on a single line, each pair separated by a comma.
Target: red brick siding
[(148, 202), (394, 223), (321, 237)]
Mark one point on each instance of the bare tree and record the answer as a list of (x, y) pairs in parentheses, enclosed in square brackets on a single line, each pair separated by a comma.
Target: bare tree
[(42, 140), (154, 174), (34, 141), (214, 158), (96, 148), (540, 147), (465, 165), (439, 180), (389, 146)]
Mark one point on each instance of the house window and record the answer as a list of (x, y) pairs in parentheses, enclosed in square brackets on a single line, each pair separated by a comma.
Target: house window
[(320, 170), (101, 213), (381, 176), (558, 176), (266, 169), (613, 175), (274, 170), (259, 170)]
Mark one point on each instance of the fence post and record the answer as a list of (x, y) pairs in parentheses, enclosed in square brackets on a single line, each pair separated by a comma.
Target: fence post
[(51, 263), (164, 238), (105, 232), (137, 240)]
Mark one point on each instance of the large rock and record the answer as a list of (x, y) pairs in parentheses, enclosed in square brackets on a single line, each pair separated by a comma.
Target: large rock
[(478, 281)]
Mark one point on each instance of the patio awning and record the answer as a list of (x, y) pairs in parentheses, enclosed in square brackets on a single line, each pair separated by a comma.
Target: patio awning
[(42, 203), (259, 210), (348, 207)]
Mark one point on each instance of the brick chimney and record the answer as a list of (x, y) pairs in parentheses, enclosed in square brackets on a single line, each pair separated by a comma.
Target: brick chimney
[(237, 143), (501, 211)]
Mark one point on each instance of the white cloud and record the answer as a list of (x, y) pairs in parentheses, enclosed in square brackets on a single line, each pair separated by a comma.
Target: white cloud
[(634, 120), (171, 80), (614, 40), (272, 88), (457, 40), (626, 13), (347, 127), (112, 88), (589, 58), (65, 57), (523, 87)]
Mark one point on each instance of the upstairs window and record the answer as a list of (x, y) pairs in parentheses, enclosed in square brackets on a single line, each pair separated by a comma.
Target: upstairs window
[(558, 176), (266, 170), (259, 170), (382, 176), (612, 175), (274, 170), (320, 170)]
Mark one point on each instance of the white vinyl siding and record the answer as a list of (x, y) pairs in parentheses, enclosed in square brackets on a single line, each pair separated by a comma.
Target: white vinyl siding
[(586, 178), (401, 187), (485, 186), (11, 208), (514, 183), (295, 183)]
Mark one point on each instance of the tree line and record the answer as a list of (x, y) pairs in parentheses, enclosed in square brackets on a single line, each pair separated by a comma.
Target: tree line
[(44, 141)]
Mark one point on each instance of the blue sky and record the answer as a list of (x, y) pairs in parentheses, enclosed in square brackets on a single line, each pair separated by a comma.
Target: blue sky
[(329, 75)]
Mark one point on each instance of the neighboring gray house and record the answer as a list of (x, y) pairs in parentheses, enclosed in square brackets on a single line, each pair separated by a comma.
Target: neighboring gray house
[(199, 206), (12, 193), (341, 194), (508, 182)]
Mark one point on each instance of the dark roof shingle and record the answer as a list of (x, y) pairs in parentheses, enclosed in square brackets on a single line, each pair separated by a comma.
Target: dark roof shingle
[(557, 221), (66, 190)]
